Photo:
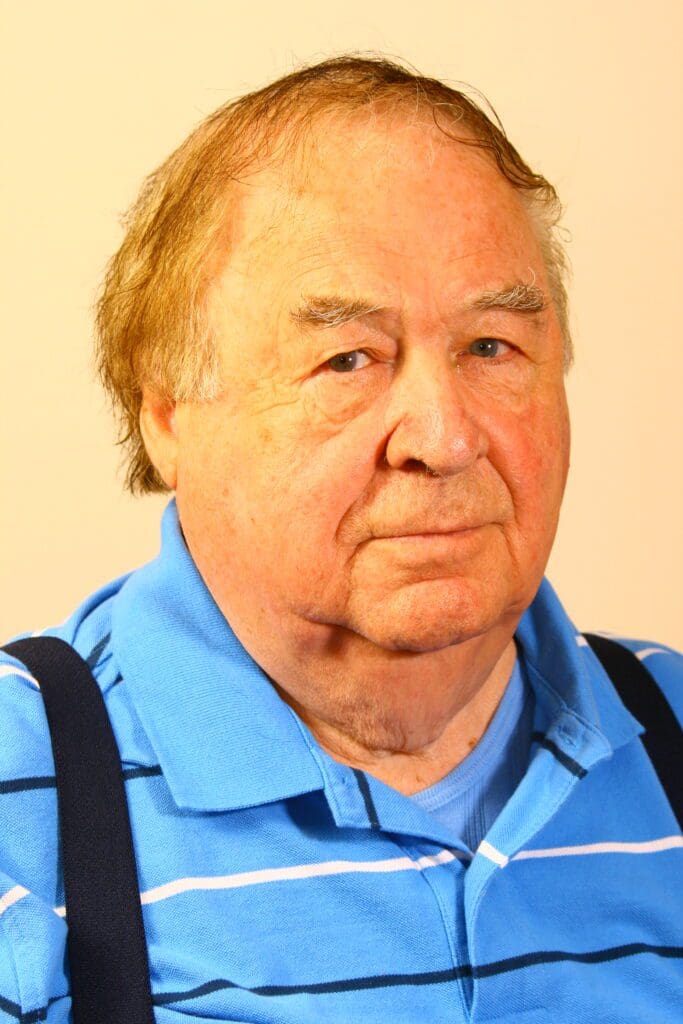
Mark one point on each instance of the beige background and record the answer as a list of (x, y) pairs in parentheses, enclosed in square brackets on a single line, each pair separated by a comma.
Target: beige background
[(95, 95)]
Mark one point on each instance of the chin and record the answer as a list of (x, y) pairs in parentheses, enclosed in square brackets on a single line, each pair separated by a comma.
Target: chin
[(431, 615)]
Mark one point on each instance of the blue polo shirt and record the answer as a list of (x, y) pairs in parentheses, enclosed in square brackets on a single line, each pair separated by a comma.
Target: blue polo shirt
[(281, 887)]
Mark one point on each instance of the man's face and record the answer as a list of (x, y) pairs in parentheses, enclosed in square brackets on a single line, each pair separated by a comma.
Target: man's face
[(399, 474)]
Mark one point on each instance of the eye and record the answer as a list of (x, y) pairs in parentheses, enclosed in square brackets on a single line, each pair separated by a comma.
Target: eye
[(489, 348), (345, 362)]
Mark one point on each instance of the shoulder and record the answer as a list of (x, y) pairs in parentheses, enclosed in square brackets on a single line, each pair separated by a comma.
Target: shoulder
[(32, 925), (664, 664), (23, 725), (28, 807), (87, 630)]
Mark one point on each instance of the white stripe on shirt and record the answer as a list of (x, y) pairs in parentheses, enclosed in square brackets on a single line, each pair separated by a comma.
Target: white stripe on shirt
[(491, 853), (341, 867), (647, 651), (15, 894), (9, 670), (297, 871), (330, 867), (650, 846)]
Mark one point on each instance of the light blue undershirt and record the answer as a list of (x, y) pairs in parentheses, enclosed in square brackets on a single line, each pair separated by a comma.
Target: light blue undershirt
[(471, 797)]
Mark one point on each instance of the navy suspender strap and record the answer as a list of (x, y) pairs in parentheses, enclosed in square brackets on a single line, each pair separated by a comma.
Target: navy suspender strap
[(663, 737), (106, 939)]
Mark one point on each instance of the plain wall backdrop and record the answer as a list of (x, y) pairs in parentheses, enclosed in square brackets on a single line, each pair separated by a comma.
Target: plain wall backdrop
[(95, 95)]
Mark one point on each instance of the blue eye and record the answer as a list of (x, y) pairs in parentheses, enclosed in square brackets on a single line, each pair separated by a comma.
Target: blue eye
[(344, 362), (487, 348)]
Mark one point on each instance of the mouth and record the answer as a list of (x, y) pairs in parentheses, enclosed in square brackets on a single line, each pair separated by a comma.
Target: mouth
[(457, 531), (433, 553)]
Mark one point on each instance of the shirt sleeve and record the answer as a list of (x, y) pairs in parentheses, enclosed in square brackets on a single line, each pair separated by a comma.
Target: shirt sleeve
[(34, 983), (33, 980)]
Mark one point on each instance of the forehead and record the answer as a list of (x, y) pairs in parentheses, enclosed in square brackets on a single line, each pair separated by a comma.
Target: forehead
[(390, 198)]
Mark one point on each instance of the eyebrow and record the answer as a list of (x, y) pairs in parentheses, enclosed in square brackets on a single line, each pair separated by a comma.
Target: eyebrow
[(519, 298), (335, 310), (332, 310)]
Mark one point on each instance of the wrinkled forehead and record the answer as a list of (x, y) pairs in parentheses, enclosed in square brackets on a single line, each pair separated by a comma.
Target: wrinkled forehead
[(378, 175)]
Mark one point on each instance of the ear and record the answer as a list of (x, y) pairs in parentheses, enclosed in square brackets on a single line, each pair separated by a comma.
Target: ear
[(159, 432)]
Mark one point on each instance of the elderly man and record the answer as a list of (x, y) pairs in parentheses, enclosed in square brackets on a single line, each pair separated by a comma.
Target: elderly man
[(373, 772)]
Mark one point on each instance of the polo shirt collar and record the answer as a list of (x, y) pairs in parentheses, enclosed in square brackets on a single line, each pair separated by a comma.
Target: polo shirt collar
[(222, 735), (587, 717), (225, 739)]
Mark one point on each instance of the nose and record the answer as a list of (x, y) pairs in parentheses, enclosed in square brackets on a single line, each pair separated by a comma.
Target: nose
[(431, 421)]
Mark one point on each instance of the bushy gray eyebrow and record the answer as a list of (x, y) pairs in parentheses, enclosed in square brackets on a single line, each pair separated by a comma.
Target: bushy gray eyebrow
[(332, 310), (520, 298), (335, 310)]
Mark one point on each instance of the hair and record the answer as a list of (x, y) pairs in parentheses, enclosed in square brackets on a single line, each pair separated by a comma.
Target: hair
[(153, 325)]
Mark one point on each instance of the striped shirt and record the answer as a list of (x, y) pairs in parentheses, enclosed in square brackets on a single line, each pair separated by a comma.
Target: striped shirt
[(280, 886)]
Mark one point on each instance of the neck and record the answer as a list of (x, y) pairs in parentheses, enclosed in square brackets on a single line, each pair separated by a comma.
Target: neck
[(413, 755), (408, 718)]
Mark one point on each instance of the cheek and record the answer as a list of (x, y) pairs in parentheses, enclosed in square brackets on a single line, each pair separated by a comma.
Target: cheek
[(281, 466), (531, 453), (323, 475), (318, 453)]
